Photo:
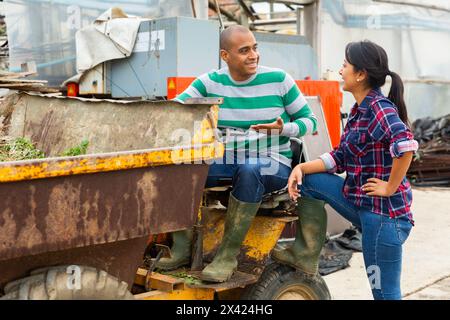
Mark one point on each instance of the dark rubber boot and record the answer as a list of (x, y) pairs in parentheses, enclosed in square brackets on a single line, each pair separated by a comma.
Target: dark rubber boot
[(237, 222), (180, 251), (311, 235)]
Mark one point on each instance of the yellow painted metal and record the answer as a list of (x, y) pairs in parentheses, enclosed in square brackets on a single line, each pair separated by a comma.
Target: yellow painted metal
[(168, 288), (203, 147), (56, 167), (232, 294), (158, 281), (213, 222), (185, 294), (261, 238), (206, 132), (164, 282), (140, 277)]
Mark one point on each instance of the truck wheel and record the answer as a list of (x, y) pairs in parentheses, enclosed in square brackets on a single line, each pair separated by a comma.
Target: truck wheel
[(281, 282), (61, 283)]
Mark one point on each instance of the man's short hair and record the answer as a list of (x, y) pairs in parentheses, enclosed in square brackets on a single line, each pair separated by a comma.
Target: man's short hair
[(226, 35)]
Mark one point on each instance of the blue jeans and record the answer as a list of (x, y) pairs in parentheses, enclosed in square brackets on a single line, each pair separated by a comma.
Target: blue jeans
[(251, 177), (382, 236)]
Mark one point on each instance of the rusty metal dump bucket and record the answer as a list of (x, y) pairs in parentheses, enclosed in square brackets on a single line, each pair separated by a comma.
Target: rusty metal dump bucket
[(99, 209)]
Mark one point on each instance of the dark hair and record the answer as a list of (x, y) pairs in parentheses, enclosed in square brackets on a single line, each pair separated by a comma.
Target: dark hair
[(370, 57)]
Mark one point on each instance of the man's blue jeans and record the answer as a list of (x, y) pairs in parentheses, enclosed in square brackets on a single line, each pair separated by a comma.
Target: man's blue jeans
[(382, 237), (251, 177)]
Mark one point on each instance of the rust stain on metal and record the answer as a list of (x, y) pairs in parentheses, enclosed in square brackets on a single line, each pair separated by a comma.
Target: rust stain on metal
[(261, 238), (238, 279), (56, 167), (44, 215), (85, 209), (165, 283), (120, 259)]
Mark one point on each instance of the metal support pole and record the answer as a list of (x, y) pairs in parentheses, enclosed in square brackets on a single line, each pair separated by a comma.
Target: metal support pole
[(299, 21)]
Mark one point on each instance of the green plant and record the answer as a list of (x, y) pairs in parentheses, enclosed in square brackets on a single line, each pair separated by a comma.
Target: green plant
[(18, 149), (187, 278), (77, 150)]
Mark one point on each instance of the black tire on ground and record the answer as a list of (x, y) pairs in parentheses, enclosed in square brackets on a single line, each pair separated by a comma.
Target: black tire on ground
[(281, 282), (61, 283)]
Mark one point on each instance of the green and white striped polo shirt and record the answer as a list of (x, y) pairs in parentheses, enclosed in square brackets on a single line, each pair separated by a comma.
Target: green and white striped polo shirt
[(267, 95)]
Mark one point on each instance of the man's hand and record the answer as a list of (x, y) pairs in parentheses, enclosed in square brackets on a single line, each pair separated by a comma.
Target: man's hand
[(377, 187), (269, 128), (295, 179)]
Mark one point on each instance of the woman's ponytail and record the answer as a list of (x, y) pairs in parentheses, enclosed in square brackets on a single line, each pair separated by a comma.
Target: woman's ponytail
[(396, 96)]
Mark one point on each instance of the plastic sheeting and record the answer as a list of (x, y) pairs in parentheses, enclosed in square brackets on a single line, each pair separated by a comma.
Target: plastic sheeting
[(382, 14), (431, 165), (416, 39), (44, 30), (333, 257), (112, 36)]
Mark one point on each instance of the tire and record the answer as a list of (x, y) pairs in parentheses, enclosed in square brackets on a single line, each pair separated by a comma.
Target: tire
[(55, 283), (281, 282)]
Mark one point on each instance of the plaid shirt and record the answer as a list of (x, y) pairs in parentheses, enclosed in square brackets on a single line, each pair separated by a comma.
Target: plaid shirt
[(373, 136)]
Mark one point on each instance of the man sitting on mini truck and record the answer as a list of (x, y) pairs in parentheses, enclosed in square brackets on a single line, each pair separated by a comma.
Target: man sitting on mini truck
[(268, 108)]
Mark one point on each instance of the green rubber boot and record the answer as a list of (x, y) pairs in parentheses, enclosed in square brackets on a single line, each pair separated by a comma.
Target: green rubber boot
[(237, 222), (180, 251), (310, 237)]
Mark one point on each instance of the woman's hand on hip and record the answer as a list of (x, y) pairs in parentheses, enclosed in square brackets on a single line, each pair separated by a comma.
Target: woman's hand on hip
[(377, 187)]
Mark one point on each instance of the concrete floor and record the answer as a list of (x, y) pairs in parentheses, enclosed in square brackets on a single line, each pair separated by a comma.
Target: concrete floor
[(426, 255)]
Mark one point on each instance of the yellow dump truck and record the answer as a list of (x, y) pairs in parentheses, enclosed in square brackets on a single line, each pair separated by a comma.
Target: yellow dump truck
[(91, 226)]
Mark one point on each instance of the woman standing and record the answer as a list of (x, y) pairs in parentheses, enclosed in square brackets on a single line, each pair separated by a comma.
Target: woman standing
[(375, 151)]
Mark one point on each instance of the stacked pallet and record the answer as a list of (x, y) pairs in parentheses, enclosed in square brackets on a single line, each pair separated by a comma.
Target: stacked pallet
[(15, 81), (4, 48), (431, 167)]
